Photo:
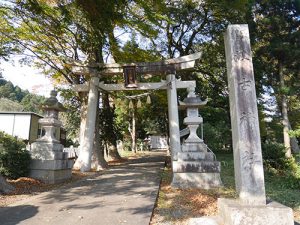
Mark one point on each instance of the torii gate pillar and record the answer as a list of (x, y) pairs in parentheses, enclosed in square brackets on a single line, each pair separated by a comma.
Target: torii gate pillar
[(173, 117)]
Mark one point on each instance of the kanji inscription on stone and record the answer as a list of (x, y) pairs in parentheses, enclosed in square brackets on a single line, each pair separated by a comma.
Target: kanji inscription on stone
[(249, 176)]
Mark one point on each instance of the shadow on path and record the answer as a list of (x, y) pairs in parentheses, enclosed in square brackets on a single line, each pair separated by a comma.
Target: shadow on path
[(15, 214), (124, 194)]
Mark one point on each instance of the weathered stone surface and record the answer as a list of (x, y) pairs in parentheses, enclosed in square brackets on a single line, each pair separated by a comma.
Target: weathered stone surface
[(51, 164), (194, 147), (192, 120), (173, 116), (234, 212), (51, 176), (248, 165), (195, 166), (47, 151), (196, 180), (205, 221), (200, 166), (195, 156)]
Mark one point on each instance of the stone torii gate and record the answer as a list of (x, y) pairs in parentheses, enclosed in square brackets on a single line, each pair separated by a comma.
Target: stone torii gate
[(166, 67)]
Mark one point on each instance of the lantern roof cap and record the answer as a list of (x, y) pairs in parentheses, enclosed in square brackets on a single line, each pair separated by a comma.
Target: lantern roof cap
[(192, 102), (53, 103)]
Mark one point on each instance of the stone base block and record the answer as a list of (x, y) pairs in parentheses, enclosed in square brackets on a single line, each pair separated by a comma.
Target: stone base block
[(47, 151), (196, 180), (51, 176), (195, 156), (51, 171), (194, 147), (51, 164), (234, 213), (197, 167)]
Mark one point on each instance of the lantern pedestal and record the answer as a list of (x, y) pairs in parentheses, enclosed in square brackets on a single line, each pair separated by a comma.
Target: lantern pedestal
[(49, 163)]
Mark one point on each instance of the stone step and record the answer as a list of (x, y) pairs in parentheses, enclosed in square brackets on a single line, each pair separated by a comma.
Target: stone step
[(197, 167), (195, 156)]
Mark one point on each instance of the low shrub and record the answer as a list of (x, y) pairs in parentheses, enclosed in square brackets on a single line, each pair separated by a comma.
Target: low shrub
[(274, 157), (14, 158), (217, 136)]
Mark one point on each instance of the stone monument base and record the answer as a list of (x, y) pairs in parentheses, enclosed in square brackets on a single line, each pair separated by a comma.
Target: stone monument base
[(196, 168), (196, 180), (233, 212), (51, 171)]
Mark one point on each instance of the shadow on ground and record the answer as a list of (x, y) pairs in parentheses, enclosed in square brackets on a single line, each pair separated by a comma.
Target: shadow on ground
[(123, 193), (15, 214)]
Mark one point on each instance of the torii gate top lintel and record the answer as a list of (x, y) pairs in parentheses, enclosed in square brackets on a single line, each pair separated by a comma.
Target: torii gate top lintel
[(161, 67)]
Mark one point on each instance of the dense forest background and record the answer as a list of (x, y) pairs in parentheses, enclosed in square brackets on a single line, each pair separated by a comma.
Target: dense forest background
[(14, 99), (52, 34)]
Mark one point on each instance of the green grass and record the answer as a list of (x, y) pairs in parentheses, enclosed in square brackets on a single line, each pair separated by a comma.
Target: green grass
[(281, 188)]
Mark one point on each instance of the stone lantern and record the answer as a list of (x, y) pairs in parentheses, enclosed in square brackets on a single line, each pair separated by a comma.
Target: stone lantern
[(50, 123), (191, 104), (49, 163), (196, 165)]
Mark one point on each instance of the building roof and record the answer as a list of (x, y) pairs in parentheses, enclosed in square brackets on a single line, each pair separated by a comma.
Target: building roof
[(22, 113)]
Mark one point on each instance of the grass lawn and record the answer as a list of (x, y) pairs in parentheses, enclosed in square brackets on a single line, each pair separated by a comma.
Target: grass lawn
[(175, 206)]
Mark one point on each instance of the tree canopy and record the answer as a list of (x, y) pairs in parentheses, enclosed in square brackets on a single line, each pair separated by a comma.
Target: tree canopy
[(52, 34)]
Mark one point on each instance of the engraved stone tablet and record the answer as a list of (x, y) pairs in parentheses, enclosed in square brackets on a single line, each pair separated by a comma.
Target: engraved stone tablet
[(248, 165)]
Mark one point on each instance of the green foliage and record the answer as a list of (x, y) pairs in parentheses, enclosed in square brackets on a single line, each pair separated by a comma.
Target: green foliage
[(283, 189), (70, 118), (14, 158), (275, 34), (295, 133), (276, 162), (7, 105), (217, 136), (13, 98)]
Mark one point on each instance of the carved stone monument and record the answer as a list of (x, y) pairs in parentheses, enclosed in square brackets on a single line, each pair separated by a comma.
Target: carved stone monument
[(49, 163), (251, 206), (195, 166)]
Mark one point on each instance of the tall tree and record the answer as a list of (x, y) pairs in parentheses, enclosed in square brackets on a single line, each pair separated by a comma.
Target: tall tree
[(276, 29)]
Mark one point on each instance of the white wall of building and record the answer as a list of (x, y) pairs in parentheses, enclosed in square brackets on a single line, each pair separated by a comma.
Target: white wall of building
[(16, 124)]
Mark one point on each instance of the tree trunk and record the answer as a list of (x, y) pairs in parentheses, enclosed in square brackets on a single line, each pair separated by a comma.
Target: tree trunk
[(133, 132), (285, 119), (5, 187), (113, 153), (294, 143), (98, 160), (83, 114)]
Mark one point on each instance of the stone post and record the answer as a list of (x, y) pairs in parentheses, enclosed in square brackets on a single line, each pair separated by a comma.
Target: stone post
[(248, 165), (86, 145), (173, 116)]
